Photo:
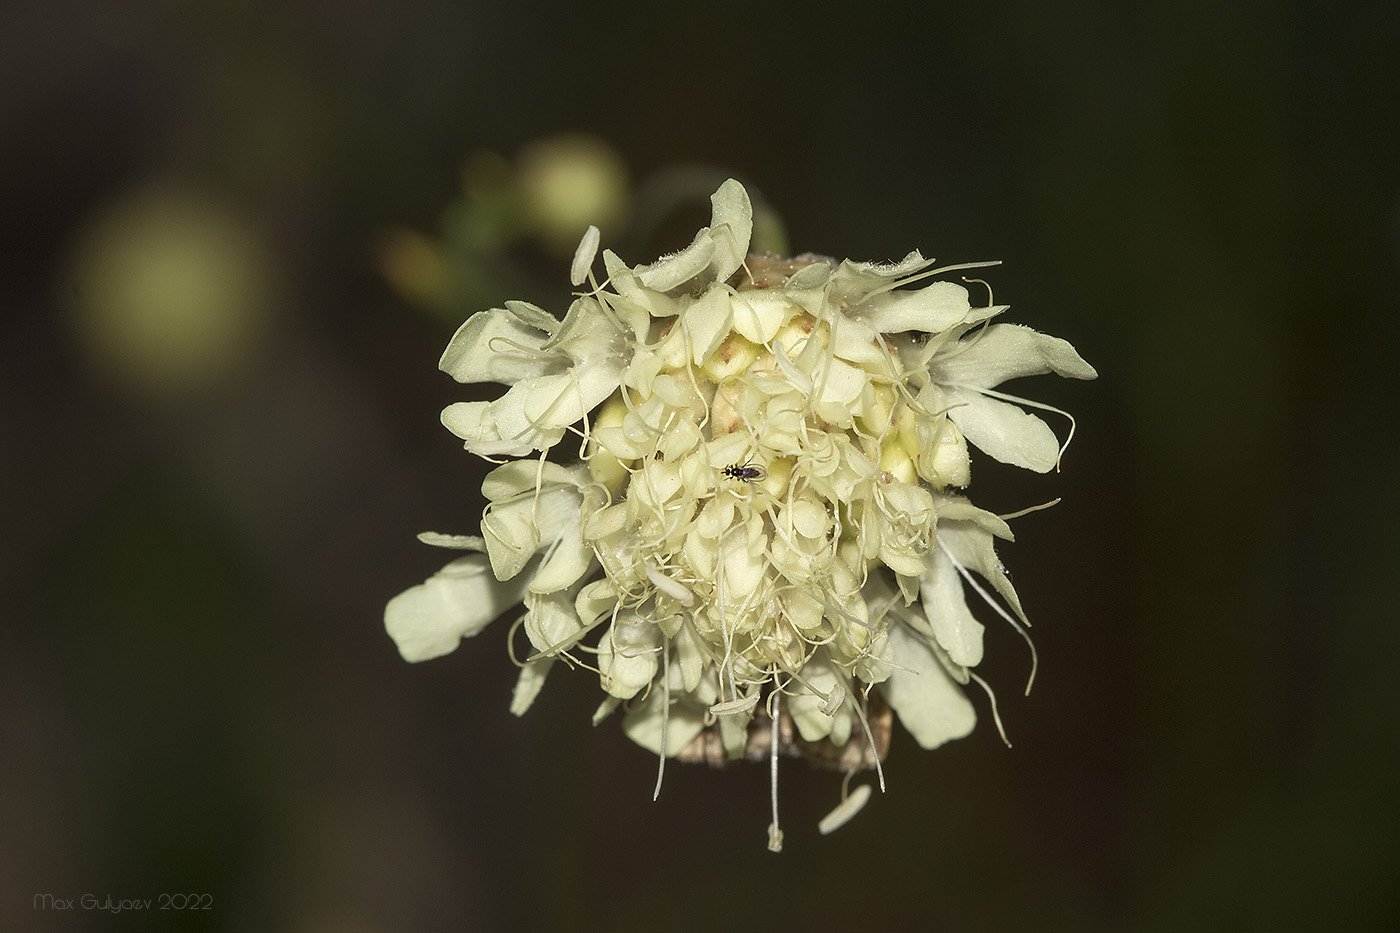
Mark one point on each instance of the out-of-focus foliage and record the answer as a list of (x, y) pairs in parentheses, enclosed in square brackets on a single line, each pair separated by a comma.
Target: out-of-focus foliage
[(169, 291), (516, 221), (545, 200)]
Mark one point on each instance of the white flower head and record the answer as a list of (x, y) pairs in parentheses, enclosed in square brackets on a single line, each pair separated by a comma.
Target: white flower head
[(762, 547)]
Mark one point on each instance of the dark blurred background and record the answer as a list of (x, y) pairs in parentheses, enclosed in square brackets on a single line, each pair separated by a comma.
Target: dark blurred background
[(237, 235)]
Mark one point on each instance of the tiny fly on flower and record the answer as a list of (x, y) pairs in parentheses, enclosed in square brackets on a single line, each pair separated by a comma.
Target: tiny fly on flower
[(746, 472)]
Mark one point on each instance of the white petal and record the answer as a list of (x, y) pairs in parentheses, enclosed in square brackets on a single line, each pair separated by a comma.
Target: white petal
[(624, 280), (453, 542), (512, 538), (557, 401), (688, 655), (927, 700), (707, 322), (1008, 351), (428, 620), (902, 560), (807, 708), (945, 605), (935, 307), (558, 511), (807, 287), (469, 420), (587, 332), (972, 546), (731, 226), (528, 684), (511, 479), (959, 509), (533, 413), (551, 623), (628, 656), (1004, 431), (845, 811), (567, 560), (810, 518), (675, 270), (669, 586), (856, 341), (679, 441), (852, 281), (903, 548), (744, 571), (643, 724), (629, 286), (606, 522), (943, 456), (605, 709), (734, 734), (623, 443), (500, 428), (760, 313), (642, 372), (516, 529), (595, 601), (501, 345), (876, 666), (840, 383), (583, 256)]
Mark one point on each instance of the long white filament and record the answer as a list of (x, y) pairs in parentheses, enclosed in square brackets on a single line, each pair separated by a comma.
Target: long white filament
[(665, 714), (775, 835)]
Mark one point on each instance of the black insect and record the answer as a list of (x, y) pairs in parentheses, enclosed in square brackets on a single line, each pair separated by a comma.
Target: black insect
[(746, 472)]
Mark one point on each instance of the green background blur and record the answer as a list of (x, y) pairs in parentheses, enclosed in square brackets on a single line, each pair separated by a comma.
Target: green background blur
[(203, 515)]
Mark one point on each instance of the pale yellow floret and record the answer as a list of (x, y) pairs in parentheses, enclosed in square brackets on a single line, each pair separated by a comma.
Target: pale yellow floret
[(764, 513)]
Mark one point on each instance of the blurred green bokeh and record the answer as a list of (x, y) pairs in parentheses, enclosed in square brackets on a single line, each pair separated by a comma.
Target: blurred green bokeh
[(169, 293), (238, 235)]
